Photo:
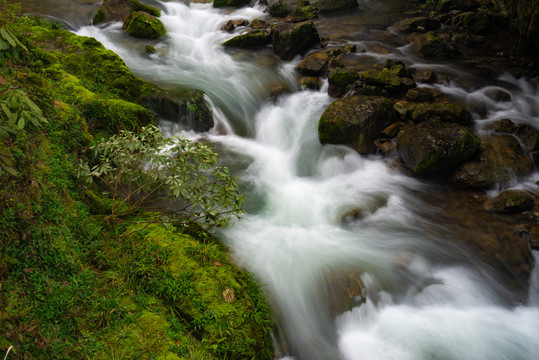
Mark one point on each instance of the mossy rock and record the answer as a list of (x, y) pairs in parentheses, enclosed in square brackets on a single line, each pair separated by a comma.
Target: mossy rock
[(113, 115), (419, 95), (432, 46), (99, 17), (431, 147), (230, 3), (340, 80), (291, 39), (416, 24), (356, 121), (310, 82), (251, 39), (441, 112), (187, 107), (138, 6), (142, 25), (499, 161), (302, 13), (511, 202), (279, 8), (387, 79)]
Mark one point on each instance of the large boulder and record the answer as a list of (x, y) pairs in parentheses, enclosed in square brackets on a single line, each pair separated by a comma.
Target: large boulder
[(356, 121), (430, 147), (143, 25), (291, 39), (500, 160), (315, 64), (251, 39), (441, 112)]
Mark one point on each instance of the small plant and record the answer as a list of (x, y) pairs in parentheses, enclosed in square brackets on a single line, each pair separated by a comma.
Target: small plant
[(10, 45), (17, 111), (177, 178)]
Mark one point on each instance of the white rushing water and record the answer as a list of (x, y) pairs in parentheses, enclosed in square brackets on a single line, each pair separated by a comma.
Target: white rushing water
[(319, 216)]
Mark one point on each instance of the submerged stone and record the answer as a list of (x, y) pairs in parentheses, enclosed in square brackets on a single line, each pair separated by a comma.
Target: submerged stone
[(511, 202), (500, 161)]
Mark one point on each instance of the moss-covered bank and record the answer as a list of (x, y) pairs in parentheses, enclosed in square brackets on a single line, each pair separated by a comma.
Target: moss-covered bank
[(71, 287)]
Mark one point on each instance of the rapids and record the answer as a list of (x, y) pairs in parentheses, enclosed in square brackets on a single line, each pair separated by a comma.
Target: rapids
[(321, 218)]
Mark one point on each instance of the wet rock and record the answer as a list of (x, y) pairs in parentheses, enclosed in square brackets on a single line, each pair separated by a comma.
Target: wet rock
[(279, 8), (425, 76), (278, 88), (441, 112), (140, 24), (356, 121), (330, 6), (187, 108), (343, 291), (535, 158), (387, 80), (291, 39), (430, 147), (501, 126), (230, 3), (417, 24), (511, 202), (260, 24), (499, 161), (339, 82), (392, 130), (149, 49), (232, 24), (250, 39), (310, 82), (138, 6), (432, 46), (419, 95), (315, 64), (302, 12)]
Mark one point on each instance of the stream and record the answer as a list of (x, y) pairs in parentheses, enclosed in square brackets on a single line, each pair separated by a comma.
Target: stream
[(390, 283)]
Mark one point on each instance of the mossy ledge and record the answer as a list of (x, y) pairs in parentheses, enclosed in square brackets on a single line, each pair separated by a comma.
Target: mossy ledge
[(74, 286)]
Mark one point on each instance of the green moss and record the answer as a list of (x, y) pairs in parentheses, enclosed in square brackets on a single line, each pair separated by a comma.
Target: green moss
[(249, 40), (140, 24), (99, 17), (138, 6)]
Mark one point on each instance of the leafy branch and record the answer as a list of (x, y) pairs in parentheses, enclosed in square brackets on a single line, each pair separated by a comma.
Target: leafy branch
[(177, 178)]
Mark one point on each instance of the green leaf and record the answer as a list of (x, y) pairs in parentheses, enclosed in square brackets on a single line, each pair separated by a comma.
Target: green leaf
[(6, 34)]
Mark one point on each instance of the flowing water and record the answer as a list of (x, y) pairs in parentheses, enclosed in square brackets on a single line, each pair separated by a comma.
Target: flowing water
[(357, 265)]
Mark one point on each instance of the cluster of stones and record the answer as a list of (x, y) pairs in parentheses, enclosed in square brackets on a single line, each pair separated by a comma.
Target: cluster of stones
[(383, 111)]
